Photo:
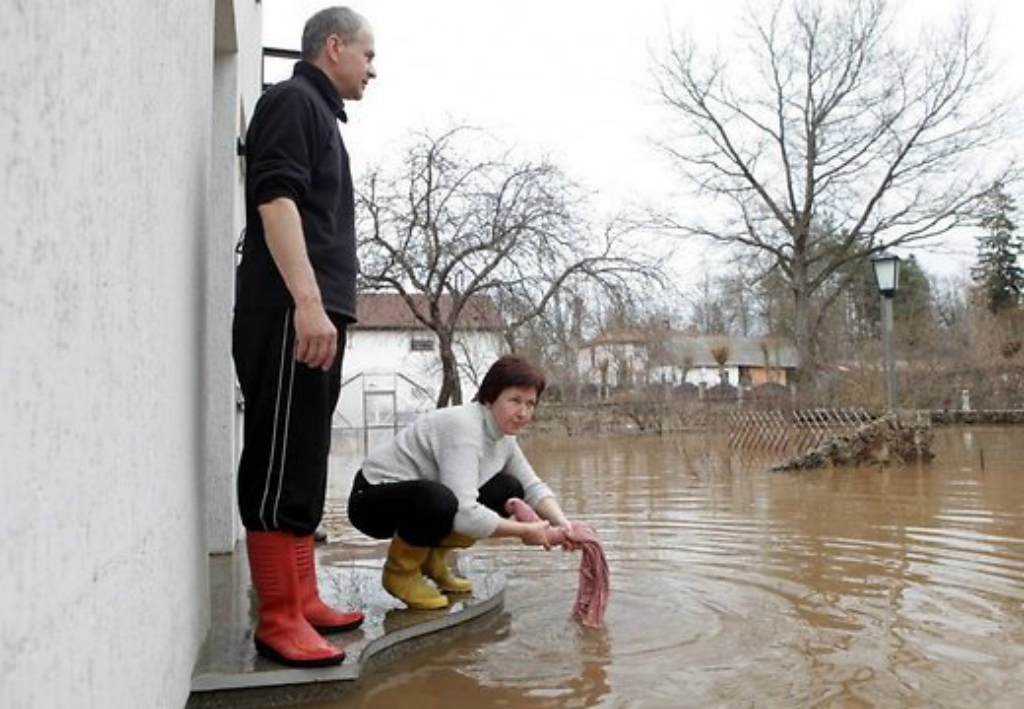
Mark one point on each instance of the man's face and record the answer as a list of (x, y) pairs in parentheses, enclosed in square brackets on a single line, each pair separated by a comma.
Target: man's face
[(351, 65)]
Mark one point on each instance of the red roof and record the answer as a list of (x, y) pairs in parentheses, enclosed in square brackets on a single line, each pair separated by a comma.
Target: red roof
[(389, 311)]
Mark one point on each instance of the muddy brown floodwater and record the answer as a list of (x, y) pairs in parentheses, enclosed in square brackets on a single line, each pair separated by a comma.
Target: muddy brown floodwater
[(733, 586)]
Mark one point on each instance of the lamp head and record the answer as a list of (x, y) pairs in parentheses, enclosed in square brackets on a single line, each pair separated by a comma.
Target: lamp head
[(887, 273)]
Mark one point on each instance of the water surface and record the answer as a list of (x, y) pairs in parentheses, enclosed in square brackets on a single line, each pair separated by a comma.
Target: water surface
[(734, 586)]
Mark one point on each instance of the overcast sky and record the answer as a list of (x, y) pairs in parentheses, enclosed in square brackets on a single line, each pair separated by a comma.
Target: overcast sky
[(566, 79)]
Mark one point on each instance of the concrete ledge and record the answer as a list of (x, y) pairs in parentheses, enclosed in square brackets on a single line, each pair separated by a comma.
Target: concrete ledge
[(228, 664)]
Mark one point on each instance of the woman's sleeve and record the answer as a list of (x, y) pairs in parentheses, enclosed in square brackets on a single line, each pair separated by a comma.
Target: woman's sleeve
[(534, 489)]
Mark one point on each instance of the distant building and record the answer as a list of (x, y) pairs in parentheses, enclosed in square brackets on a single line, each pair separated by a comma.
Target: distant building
[(392, 366), (631, 358)]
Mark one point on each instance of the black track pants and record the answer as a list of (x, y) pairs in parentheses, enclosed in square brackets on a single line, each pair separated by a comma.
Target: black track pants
[(282, 475)]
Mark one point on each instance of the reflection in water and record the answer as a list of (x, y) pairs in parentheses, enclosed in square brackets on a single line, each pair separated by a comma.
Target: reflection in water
[(563, 668), (736, 586)]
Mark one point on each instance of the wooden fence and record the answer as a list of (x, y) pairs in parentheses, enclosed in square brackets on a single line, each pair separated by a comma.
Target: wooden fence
[(796, 430)]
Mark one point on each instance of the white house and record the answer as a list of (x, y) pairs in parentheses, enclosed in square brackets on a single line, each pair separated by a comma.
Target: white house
[(392, 368), (123, 201)]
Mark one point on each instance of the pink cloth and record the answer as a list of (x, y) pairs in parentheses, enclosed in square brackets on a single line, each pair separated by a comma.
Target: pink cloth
[(592, 593)]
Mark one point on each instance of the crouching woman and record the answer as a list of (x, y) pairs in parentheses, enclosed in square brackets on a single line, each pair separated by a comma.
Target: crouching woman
[(442, 483)]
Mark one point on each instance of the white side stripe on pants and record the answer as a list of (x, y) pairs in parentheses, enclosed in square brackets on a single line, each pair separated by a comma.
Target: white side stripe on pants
[(284, 436), (273, 439)]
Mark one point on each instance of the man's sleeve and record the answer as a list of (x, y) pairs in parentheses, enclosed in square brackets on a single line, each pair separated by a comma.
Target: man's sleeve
[(281, 148)]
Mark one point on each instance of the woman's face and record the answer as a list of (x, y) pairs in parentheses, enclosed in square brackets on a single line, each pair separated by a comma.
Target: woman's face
[(513, 409)]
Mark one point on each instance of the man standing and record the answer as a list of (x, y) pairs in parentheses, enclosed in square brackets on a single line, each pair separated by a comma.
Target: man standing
[(295, 295)]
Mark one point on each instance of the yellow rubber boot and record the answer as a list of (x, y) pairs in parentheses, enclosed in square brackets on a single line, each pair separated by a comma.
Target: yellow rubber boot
[(436, 566), (404, 580)]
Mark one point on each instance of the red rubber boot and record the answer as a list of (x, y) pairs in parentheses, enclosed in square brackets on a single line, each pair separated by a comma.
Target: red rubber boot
[(283, 634), (320, 615)]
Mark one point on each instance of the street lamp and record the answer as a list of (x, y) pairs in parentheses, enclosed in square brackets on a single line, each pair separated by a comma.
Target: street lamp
[(887, 277)]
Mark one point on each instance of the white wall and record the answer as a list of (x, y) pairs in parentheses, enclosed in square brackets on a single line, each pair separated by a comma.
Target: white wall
[(379, 354), (236, 88), (106, 309)]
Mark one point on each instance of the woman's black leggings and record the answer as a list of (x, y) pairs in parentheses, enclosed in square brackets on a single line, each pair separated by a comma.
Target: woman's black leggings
[(419, 511)]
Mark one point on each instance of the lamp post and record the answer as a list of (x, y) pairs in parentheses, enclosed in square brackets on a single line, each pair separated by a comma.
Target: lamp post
[(887, 277)]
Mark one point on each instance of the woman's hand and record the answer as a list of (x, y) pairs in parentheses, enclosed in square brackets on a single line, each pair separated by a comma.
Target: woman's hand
[(549, 509), (536, 533), (565, 527)]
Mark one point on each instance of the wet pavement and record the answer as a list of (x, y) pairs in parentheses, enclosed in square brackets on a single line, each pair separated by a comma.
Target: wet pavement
[(230, 674)]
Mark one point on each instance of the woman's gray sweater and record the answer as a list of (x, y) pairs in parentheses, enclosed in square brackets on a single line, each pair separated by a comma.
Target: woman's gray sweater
[(462, 448)]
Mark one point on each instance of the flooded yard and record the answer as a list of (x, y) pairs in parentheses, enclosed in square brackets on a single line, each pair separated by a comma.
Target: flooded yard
[(734, 586)]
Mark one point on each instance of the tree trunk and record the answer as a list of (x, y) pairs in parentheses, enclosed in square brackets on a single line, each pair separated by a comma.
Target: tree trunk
[(451, 386), (802, 335)]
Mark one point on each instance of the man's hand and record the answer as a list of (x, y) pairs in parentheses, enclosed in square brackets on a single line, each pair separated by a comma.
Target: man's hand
[(316, 338)]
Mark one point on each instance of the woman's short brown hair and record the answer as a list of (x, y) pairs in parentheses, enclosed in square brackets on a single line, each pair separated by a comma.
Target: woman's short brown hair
[(509, 371)]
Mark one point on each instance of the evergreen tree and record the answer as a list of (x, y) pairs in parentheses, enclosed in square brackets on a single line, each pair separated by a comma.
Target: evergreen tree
[(998, 272), (913, 312)]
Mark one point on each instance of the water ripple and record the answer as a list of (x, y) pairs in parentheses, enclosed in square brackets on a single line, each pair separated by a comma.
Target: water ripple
[(735, 586)]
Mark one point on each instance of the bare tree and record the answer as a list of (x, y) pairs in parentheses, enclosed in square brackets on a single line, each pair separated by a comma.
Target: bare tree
[(449, 227), (708, 312), (599, 264), (838, 145), (555, 338), (724, 304)]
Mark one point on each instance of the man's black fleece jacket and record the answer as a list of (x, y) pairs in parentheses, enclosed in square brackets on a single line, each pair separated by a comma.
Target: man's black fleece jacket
[(293, 149)]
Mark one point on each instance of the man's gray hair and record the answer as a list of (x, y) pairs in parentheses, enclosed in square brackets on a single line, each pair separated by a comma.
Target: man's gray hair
[(342, 21)]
